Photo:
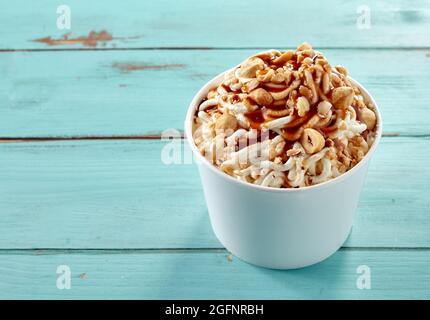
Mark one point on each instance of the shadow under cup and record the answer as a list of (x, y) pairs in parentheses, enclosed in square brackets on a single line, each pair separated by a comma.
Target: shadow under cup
[(280, 228)]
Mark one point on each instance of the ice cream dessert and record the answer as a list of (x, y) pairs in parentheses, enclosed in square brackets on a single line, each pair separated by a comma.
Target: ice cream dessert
[(285, 119)]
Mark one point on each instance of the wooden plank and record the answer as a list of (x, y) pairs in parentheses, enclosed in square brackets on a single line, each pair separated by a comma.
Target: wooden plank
[(118, 194), (83, 93), (194, 23), (202, 275)]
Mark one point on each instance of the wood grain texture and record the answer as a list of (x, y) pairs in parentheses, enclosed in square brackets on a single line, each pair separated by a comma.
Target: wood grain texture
[(210, 275), (118, 194), (244, 23), (133, 93)]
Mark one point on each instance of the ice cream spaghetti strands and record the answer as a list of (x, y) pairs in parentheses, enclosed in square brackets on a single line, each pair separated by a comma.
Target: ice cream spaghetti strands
[(285, 120)]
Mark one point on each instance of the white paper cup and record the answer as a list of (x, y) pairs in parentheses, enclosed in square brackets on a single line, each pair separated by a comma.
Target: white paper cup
[(280, 228)]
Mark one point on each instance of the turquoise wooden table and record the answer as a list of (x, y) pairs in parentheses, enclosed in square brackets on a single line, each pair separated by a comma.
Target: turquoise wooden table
[(83, 190)]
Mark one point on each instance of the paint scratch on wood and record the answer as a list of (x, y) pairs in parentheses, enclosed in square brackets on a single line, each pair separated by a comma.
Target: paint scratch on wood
[(200, 76), (83, 276), (91, 40), (128, 67), (391, 134)]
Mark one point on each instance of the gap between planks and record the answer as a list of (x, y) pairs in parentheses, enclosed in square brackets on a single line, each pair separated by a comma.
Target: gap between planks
[(425, 48), (143, 137), (58, 251)]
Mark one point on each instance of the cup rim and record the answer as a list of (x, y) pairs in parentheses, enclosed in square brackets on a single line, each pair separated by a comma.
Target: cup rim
[(215, 82)]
